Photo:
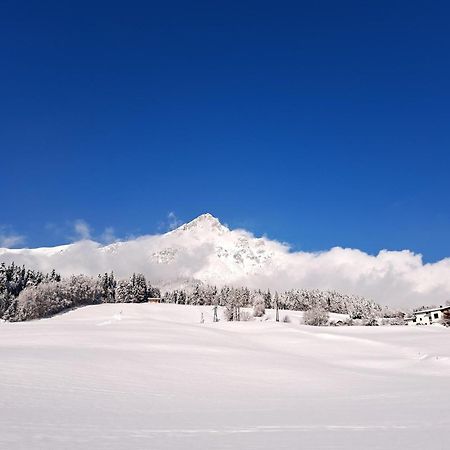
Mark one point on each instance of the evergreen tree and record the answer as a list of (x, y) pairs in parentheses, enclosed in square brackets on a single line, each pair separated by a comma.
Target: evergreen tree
[(139, 288), (268, 299), (108, 286), (124, 291)]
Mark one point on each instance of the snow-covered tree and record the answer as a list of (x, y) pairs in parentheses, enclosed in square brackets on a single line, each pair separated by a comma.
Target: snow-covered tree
[(133, 290), (268, 299), (124, 291), (47, 299), (108, 285), (316, 316), (14, 279), (139, 288), (153, 292), (259, 306)]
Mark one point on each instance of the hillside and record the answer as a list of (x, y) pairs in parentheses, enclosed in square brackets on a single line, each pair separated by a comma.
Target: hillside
[(118, 376)]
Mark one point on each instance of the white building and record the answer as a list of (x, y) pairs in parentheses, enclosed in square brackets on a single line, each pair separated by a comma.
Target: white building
[(427, 316)]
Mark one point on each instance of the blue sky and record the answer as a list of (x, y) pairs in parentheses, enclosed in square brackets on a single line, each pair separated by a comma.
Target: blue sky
[(316, 123)]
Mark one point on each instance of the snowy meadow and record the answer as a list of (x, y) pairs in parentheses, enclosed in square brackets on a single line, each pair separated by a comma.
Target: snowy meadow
[(106, 363), (116, 376)]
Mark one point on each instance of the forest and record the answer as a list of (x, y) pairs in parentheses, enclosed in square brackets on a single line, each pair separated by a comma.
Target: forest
[(27, 294)]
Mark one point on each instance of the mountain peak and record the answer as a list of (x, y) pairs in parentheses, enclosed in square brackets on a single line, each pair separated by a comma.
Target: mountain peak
[(204, 221), (206, 218)]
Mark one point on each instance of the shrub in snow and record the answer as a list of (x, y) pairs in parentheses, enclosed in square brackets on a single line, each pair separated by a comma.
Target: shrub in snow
[(317, 316), (286, 319), (370, 322), (245, 316), (394, 321), (341, 323), (228, 313), (370, 319), (259, 306)]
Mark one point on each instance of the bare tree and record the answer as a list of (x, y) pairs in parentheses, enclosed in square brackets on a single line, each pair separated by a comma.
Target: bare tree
[(276, 301)]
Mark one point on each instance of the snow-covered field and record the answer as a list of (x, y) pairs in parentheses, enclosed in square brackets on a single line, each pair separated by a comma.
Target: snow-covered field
[(149, 376)]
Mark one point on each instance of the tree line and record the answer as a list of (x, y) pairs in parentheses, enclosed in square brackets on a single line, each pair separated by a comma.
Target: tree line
[(235, 298), (28, 294)]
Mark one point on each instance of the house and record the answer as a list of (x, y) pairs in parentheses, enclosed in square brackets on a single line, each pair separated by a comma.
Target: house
[(154, 300), (427, 316)]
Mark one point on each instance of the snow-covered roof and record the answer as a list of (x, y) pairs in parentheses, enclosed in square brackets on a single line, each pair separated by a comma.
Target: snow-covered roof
[(441, 308)]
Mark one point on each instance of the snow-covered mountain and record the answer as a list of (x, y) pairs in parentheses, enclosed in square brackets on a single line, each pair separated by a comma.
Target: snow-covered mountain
[(202, 249), (206, 250)]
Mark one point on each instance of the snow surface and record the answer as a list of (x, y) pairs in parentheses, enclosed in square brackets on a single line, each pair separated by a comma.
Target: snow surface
[(150, 376)]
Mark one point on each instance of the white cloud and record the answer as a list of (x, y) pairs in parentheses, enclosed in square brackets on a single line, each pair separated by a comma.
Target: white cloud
[(108, 236), (9, 238), (173, 221), (82, 230)]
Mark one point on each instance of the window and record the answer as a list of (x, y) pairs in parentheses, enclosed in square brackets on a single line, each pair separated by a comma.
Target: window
[(436, 315)]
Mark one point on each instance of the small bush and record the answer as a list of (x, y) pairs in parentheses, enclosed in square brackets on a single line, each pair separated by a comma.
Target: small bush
[(259, 307), (229, 313), (245, 316), (286, 319), (316, 316), (393, 321), (370, 322)]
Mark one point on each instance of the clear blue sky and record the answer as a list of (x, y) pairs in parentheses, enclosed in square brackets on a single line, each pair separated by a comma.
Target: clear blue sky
[(319, 123)]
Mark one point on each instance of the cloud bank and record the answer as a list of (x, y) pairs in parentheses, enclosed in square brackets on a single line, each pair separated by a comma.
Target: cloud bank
[(10, 239), (206, 250)]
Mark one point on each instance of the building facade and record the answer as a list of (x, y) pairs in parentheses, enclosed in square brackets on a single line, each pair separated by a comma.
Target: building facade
[(427, 316)]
